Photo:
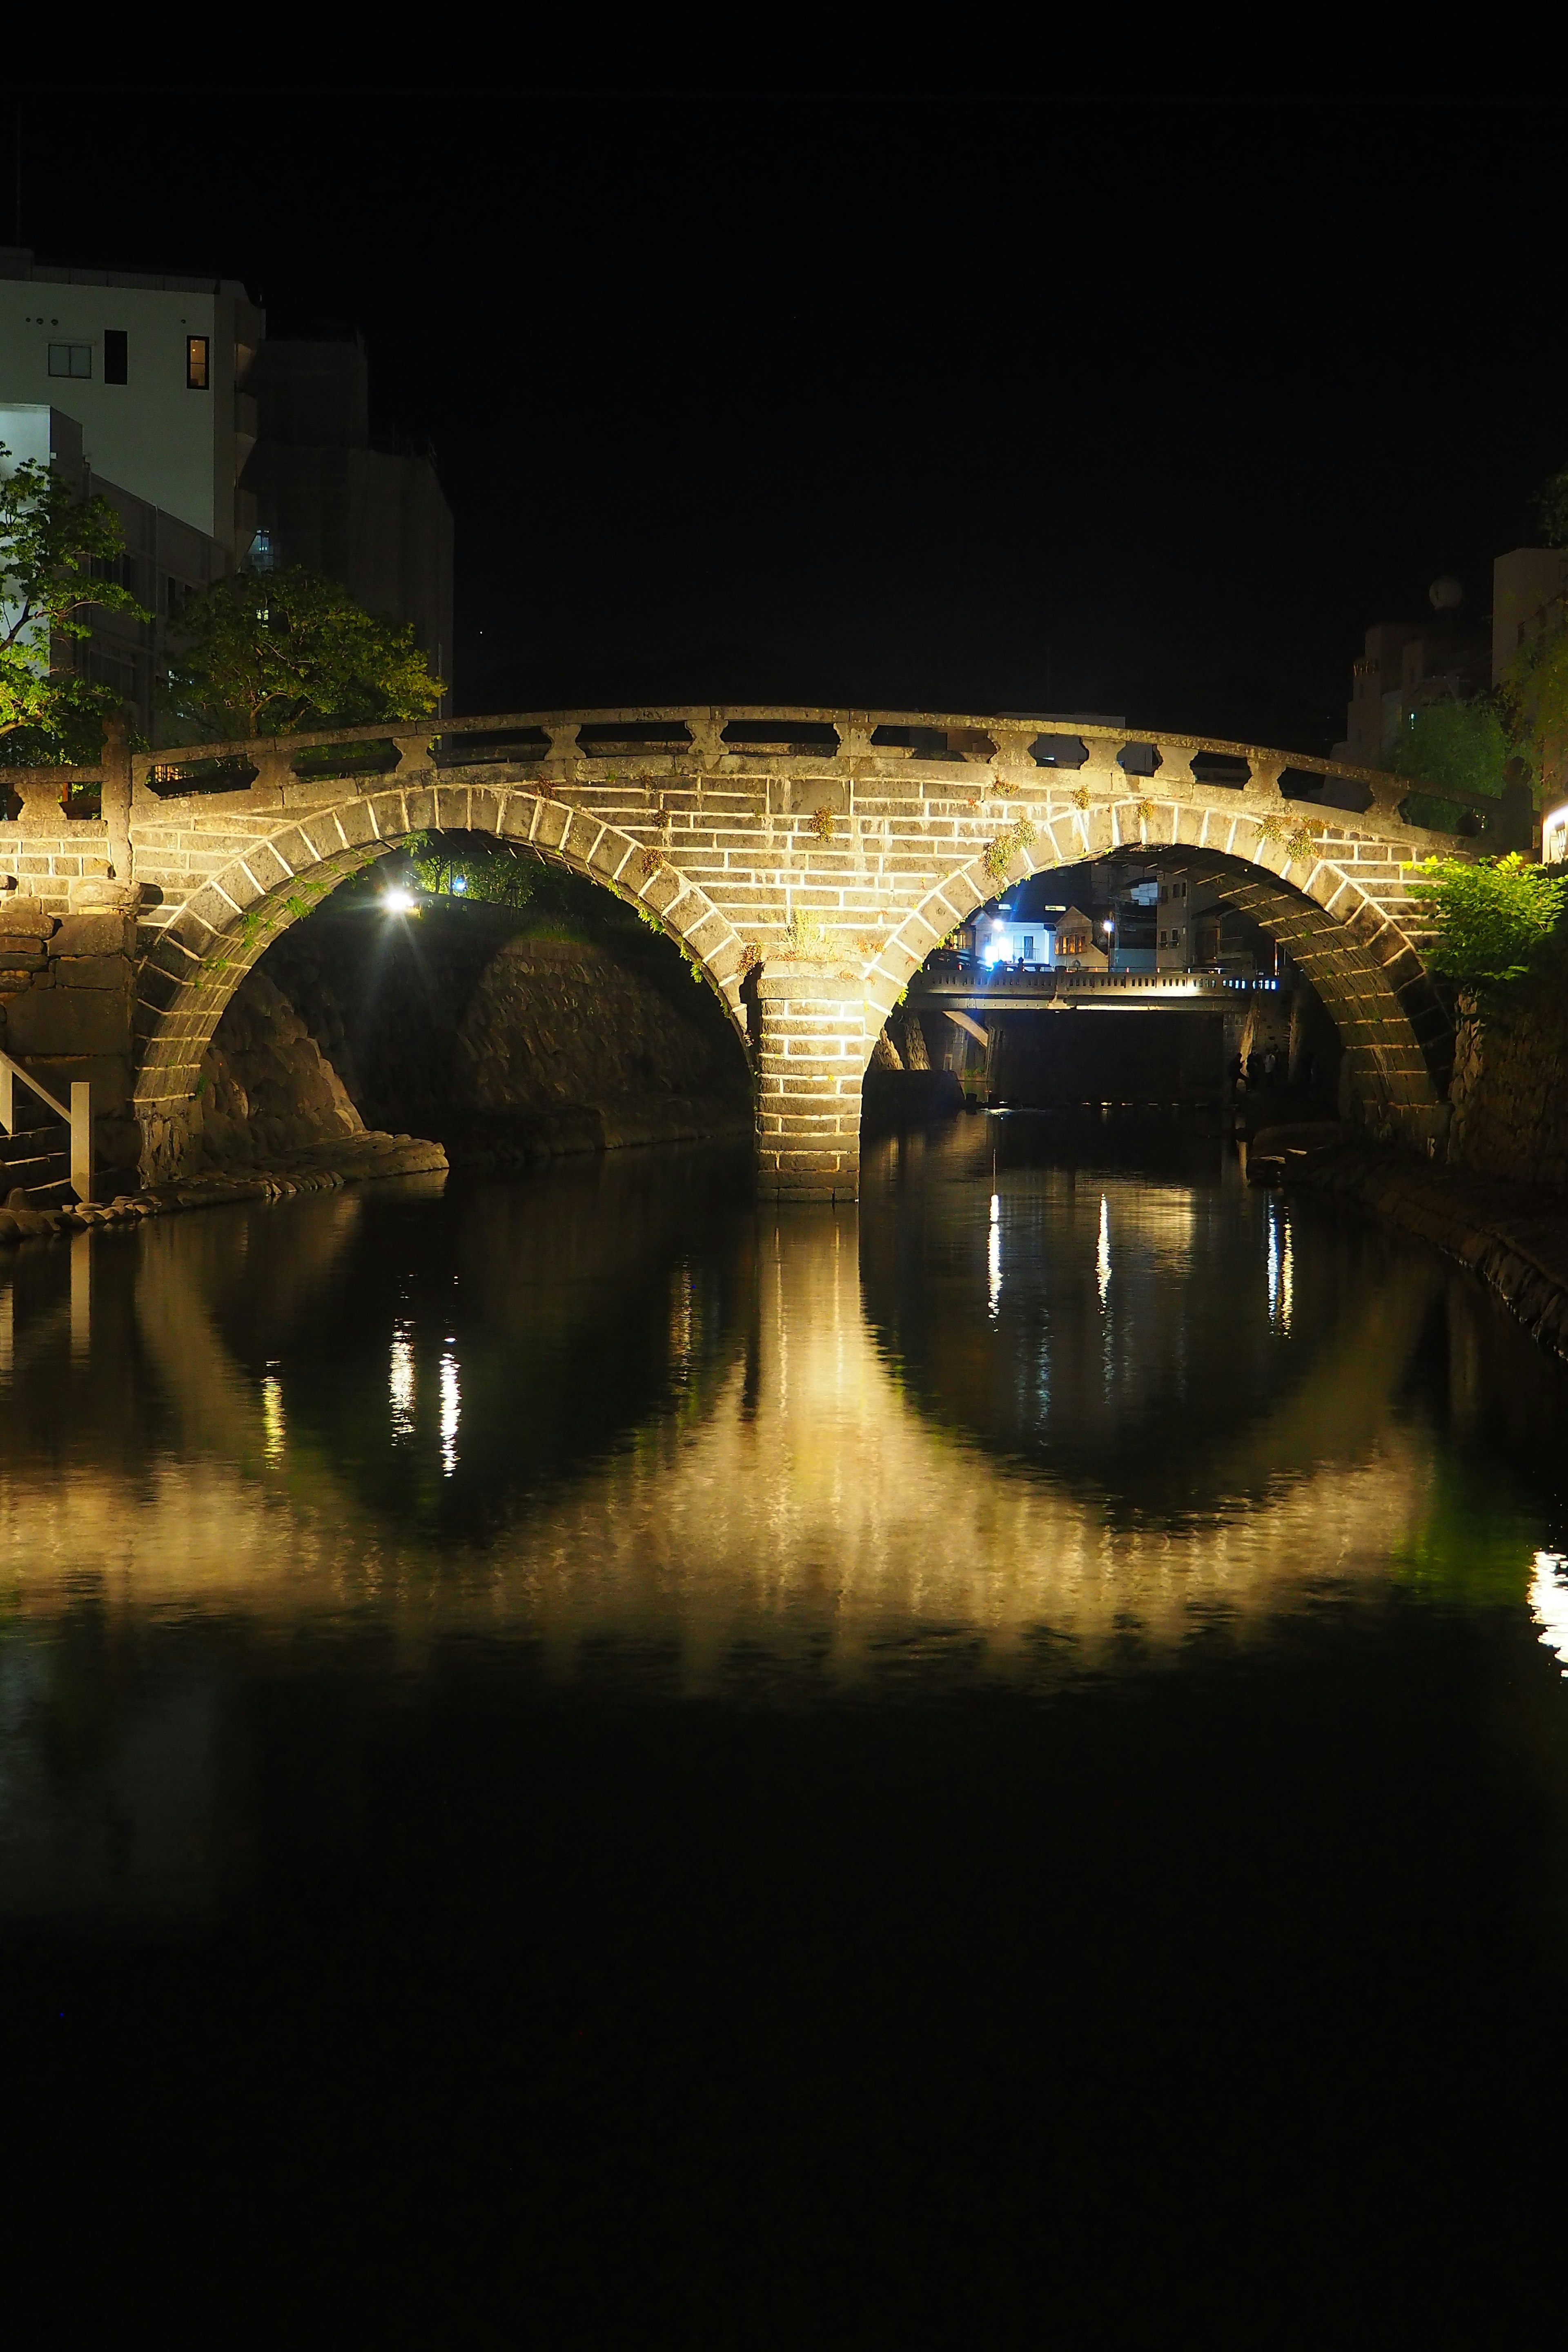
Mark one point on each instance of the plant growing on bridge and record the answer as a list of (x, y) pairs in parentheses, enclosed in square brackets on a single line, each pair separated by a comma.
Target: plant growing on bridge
[(58, 553), (262, 654), (998, 855), (806, 935), (1490, 918)]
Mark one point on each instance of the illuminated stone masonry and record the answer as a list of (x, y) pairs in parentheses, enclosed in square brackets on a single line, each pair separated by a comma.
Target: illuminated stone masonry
[(808, 860)]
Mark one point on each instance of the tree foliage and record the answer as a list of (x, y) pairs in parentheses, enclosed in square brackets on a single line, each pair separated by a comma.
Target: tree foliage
[(1535, 694), (266, 653), (492, 872), (1462, 744), (55, 552), (1492, 917), (1535, 685), (1553, 504)]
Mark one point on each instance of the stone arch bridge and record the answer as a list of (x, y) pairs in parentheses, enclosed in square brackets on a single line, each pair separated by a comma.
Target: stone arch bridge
[(808, 861)]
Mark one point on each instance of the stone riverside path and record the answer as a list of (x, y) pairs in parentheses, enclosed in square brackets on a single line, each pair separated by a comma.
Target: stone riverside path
[(808, 860)]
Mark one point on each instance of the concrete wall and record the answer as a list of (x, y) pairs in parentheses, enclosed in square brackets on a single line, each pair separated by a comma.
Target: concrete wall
[(1091, 1056)]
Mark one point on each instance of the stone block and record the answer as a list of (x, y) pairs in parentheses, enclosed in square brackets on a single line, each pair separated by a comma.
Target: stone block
[(95, 894), (26, 914), (22, 954), (90, 972), (107, 934), (68, 1021)]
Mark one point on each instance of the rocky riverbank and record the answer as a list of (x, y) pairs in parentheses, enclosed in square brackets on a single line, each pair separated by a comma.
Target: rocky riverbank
[(320, 1168), (1514, 1235)]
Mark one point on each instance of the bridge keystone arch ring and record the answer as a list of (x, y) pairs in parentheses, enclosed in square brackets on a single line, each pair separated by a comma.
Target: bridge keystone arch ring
[(808, 860)]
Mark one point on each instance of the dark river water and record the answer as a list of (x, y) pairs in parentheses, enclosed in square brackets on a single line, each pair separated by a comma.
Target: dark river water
[(578, 1754)]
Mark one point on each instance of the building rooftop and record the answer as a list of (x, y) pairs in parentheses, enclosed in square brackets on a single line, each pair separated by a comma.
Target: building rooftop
[(19, 261)]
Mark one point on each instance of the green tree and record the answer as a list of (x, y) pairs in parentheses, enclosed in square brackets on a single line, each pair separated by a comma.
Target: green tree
[(1535, 695), (1463, 744), (57, 551), (495, 873), (1492, 917), (266, 652), (1553, 507), (1535, 684)]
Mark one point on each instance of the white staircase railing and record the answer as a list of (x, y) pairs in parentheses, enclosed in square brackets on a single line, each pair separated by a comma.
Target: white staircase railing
[(76, 1115)]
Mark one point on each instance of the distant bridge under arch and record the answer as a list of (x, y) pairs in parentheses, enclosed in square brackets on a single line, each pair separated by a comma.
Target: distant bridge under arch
[(809, 860)]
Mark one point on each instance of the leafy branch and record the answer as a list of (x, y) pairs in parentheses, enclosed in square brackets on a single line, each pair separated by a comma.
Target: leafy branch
[(1491, 919), (261, 653), (58, 553)]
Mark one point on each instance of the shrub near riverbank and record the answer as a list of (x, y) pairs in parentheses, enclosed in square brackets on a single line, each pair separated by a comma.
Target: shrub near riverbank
[(1498, 941)]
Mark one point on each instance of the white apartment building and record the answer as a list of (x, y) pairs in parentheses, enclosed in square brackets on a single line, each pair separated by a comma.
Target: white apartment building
[(148, 368), (153, 393)]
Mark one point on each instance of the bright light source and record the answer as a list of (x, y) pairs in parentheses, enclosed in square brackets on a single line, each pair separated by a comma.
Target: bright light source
[(1554, 838), (459, 883), (398, 902)]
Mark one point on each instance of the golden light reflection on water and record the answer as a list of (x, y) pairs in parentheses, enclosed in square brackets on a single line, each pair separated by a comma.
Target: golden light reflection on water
[(813, 1502)]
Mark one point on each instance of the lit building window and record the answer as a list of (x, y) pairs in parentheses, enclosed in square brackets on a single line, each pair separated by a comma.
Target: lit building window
[(196, 363), (70, 359)]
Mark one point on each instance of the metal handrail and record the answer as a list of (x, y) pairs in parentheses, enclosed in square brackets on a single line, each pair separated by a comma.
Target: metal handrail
[(76, 1115)]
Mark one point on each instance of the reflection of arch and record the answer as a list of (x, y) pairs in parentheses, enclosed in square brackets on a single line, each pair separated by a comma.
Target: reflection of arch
[(1365, 967), (203, 954)]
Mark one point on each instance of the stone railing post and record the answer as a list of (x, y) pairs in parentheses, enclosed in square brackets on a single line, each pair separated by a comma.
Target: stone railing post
[(115, 795), (811, 1047)]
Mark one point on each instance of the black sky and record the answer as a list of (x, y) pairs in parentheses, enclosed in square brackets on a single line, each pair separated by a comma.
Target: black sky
[(964, 405)]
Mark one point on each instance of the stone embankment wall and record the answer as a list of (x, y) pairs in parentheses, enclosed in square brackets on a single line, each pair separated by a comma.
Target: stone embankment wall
[(505, 1046), (267, 1089), (1509, 1091), (1514, 1236), (67, 982), (556, 1025)]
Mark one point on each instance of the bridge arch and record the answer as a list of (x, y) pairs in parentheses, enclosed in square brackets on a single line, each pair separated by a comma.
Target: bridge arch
[(1360, 957), (817, 855), (214, 939)]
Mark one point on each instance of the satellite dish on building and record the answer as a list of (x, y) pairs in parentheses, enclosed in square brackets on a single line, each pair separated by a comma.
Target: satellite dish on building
[(1445, 593)]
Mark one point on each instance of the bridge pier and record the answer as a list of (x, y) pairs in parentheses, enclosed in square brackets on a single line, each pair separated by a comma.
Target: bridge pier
[(810, 1065)]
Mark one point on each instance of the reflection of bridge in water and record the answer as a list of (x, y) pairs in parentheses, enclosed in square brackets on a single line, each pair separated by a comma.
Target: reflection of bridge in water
[(823, 1500), (989, 1426)]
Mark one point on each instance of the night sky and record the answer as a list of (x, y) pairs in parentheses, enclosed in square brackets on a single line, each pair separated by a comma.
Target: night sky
[(965, 405)]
